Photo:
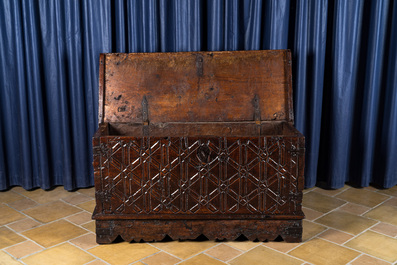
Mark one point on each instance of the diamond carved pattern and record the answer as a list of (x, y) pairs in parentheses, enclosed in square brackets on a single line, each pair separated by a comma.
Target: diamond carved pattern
[(164, 175)]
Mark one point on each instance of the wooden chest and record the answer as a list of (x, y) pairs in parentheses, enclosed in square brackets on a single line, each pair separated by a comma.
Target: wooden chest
[(197, 143)]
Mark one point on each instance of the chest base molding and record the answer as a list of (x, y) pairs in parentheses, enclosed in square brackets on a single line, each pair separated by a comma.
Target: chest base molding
[(156, 230)]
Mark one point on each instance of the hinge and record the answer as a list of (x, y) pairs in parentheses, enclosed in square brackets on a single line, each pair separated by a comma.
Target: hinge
[(145, 116), (199, 65), (257, 111)]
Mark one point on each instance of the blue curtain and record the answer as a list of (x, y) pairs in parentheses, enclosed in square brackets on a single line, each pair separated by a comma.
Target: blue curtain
[(345, 77)]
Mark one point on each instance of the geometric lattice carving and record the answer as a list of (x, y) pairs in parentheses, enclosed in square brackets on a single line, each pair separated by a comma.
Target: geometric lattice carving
[(206, 175)]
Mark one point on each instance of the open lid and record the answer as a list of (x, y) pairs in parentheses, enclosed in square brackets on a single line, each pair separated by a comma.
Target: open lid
[(229, 86)]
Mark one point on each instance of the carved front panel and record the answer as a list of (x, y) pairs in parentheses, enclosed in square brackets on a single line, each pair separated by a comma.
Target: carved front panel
[(186, 175)]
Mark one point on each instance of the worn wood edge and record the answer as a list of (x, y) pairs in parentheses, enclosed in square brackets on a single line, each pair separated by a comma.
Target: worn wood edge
[(288, 94), (293, 132), (301, 163), (101, 92), (157, 230), (103, 130), (196, 52), (99, 216)]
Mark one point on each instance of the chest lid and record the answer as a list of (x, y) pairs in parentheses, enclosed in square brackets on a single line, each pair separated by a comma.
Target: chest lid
[(229, 86)]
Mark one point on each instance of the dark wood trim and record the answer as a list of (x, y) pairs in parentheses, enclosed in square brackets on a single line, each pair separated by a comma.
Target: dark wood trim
[(102, 84), (157, 230)]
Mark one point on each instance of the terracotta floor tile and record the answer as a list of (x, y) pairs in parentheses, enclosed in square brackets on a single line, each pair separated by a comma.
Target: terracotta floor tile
[(99, 262), (362, 197), (23, 224), (384, 213), (311, 229), (23, 249), (54, 233), (201, 260), (367, 260), (80, 218), (375, 244), (88, 206), (320, 202), (281, 246), (17, 189), (309, 190), (354, 208), (23, 204), (9, 238), (45, 196), (61, 255), (6, 259), (370, 188), (386, 229), (184, 249), (243, 245), (331, 192), (90, 226), (321, 252), (391, 202), (85, 242), (9, 215), (87, 191), (51, 211), (161, 259), (77, 198), (335, 236), (123, 253), (346, 222), (392, 191), (311, 214), (223, 252), (264, 256), (9, 196)]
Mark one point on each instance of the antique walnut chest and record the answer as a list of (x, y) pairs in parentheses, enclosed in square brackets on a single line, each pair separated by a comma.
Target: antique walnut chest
[(197, 143)]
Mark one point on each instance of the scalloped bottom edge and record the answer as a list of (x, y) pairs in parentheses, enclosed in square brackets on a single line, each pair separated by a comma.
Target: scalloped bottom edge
[(156, 230)]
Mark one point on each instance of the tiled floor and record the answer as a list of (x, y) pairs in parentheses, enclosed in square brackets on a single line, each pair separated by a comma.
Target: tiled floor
[(345, 226)]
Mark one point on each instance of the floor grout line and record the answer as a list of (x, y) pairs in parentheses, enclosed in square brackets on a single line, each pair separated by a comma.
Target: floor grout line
[(356, 250), (356, 236), (238, 255), (287, 253), (361, 254), (332, 196), (46, 248), (140, 260), (333, 210), (161, 250), (242, 253)]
